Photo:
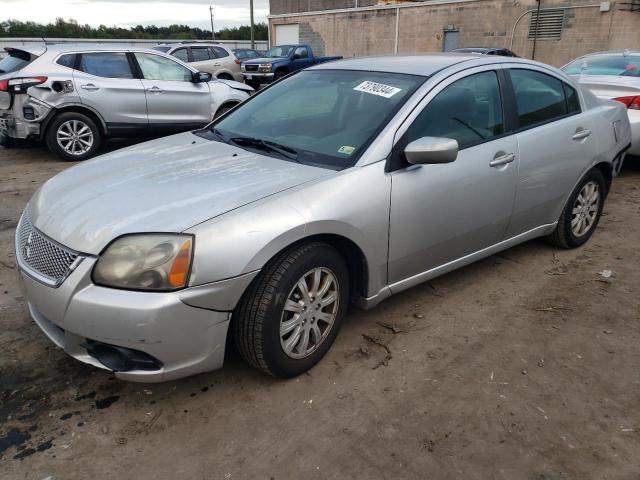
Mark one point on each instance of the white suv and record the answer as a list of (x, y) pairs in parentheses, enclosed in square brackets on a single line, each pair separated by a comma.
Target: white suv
[(75, 96), (212, 58)]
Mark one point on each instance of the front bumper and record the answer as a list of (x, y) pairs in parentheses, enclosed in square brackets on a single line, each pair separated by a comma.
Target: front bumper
[(258, 77), (634, 120), (185, 339)]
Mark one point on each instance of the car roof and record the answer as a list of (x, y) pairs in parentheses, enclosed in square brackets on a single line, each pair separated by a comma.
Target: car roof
[(424, 65), (613, 52), (477, 49), (78, 47)]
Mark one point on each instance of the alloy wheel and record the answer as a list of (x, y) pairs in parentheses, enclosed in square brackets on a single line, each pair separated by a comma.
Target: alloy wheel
[(75, 137), (309, 313), (585, 209)]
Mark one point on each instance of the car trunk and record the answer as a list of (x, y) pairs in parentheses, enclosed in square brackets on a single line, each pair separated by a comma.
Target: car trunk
[(608, 86)]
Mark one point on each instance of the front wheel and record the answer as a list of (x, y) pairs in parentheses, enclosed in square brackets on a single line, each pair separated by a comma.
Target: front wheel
[(291, 314), (581, 213), (73, 136)]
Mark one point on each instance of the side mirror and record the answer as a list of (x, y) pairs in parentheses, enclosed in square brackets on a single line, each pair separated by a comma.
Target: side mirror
[(428, 150), (201, 77)]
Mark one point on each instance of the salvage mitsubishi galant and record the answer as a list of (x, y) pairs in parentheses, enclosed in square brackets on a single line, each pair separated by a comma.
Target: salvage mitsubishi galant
[(344, 183)]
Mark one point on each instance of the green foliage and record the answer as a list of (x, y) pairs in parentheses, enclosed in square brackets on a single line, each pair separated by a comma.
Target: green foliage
[(71, 29)]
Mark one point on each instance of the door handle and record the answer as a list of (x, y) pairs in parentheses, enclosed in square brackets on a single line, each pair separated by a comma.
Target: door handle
[(89, 87), (502, 158), (154, 90), (581, 134)]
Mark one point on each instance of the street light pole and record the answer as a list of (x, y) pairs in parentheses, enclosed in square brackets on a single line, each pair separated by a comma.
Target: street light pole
[(213, 32), (253, 35)]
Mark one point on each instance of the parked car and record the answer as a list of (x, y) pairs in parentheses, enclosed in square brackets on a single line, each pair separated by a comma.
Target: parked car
[(75, 96), (614, 75), (278, 62), (216, 59), (503, 52), (268, 223), (243, 54)]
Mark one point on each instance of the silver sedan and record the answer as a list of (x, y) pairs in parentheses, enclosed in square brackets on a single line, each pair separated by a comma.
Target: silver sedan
[(613, 75), (340, 185)]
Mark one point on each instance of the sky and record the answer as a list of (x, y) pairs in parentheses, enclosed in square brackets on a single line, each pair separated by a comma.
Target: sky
[(128, 13)]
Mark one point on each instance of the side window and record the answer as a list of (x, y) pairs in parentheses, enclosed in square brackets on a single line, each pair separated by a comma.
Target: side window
[(469, 111), (181, 54), (201, 54), (302, 52), (539, 97), (106, 64), (220, 52), (68, 60), (573, 102), (155, 67)]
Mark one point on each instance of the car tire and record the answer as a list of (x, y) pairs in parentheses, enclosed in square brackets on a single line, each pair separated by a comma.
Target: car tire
[(6, 142), (581, 214), (224, 109), (279, 74), (254, 85), (75, 127), (275, 310)]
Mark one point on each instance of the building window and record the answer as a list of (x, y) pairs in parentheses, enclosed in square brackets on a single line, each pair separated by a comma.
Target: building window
[(546, 24)]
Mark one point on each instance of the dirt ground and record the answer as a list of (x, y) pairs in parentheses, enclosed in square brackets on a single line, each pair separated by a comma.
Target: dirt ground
[(523, 366)]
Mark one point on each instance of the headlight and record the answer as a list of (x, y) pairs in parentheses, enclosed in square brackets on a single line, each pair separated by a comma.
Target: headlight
[(243, 68), (264, 67), (154, 262)]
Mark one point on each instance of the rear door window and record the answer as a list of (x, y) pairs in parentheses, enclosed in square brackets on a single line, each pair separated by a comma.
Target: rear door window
[(539, 97), (106, 64), (201, 54), (220, 52), (155, 67)]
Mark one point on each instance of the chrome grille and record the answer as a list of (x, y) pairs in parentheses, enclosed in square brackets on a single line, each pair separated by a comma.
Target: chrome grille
[(50, 262), (251, 68)]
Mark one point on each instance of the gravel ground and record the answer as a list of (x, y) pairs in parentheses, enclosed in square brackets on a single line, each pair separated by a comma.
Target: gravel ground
[(522, 366)]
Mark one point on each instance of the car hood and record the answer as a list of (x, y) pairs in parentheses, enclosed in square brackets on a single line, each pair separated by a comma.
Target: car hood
[(165, 185), (256, 61), (609, 86)]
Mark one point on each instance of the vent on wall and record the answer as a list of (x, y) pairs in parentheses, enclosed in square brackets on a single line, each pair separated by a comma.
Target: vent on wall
[(546, 24)]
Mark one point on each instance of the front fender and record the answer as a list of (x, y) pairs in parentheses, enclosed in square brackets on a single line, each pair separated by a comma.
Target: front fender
[(353, 204)]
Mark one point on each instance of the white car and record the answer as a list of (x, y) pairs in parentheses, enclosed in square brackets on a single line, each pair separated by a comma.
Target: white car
[(212, 58), (614, 75), (75, 96)]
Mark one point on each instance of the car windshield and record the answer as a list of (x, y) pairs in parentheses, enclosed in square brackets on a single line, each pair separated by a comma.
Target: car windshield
[(626, 65), (318, 117), (279, 52), (162, 49), (16, 60)]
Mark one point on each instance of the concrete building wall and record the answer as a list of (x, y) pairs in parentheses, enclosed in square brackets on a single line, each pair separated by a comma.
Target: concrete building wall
[(372, 31)]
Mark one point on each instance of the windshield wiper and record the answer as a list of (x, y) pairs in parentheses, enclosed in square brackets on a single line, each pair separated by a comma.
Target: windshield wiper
[(221, 135), (268, 145)]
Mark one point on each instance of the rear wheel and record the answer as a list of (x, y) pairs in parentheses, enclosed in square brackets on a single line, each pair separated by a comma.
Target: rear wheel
[(582, 212), (290, 316), (73, 136)]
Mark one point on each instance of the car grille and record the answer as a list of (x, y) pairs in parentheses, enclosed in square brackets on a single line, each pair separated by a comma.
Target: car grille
[(251, 68), (50, 262)]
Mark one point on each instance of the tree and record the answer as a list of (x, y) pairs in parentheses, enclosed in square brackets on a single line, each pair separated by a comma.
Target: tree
[(62, 28)]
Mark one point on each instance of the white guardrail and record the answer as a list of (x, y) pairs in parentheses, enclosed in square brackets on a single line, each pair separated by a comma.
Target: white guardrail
[(141, 43)]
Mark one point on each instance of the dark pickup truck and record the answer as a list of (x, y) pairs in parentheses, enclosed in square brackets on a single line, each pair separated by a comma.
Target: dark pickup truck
[(278, 62)]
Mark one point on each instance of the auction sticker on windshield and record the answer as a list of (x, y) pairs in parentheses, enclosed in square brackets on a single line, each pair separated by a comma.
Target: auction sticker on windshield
[(386, 91)]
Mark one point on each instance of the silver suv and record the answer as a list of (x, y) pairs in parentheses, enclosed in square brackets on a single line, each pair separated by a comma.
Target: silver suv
[(74, 97), (213, 58)]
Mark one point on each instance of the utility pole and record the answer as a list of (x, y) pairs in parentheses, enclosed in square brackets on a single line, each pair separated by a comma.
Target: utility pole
[(213, 32), (253, 35)]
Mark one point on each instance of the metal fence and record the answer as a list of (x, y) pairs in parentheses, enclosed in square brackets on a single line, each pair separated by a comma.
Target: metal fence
[(140, 43)]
